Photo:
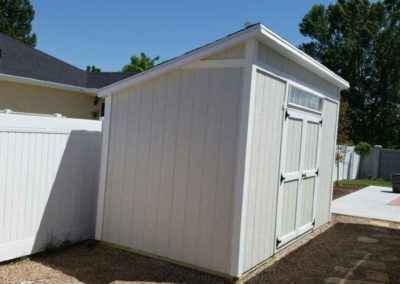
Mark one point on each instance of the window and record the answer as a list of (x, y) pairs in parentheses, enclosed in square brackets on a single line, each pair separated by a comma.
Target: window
[(303, 98)]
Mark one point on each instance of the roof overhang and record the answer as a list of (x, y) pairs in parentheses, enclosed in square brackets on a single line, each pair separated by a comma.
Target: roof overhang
[(259, 31), (48, 84)]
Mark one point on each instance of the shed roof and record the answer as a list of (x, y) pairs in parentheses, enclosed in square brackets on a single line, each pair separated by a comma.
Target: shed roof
[(258, 31)]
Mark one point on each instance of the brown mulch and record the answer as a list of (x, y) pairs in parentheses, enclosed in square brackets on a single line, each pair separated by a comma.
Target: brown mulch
[(339, 254), (340, 191), (332, 255)]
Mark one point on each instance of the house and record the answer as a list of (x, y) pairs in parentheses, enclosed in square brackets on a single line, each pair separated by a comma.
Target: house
[(34, 82), (221, 157)]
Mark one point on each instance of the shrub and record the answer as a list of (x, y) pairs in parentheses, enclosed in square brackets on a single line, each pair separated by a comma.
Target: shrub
[(363, 148)]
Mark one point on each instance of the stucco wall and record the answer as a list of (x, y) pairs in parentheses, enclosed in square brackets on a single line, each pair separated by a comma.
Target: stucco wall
[(35, 99)]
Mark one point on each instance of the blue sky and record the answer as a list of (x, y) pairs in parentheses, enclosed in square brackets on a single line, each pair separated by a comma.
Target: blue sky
[(106, 33)]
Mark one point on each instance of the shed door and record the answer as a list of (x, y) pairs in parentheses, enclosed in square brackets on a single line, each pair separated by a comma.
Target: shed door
[(299, 164)]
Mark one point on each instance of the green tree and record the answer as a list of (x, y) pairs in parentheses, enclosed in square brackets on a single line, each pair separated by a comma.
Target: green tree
[(16, 18), (93, 69), (140, 63), (360, 40)]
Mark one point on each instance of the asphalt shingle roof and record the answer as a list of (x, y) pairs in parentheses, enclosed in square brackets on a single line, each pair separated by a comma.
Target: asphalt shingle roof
[(21, 60)]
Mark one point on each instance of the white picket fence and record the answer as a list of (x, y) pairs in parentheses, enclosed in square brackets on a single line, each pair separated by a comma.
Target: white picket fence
[(48, 182)]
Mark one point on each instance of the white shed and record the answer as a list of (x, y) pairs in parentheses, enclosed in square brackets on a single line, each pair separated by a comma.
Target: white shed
[(222, 156)]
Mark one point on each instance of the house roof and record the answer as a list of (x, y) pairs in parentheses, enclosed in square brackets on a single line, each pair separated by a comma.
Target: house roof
[(22, 62), (258, 31)]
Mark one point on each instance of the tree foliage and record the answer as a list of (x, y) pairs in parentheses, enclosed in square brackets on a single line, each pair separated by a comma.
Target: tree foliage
[(360, 40), (93, 69), (16, 18), (140, 63)]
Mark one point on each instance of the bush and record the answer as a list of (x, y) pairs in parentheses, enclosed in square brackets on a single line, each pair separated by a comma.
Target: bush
[(363, 148)]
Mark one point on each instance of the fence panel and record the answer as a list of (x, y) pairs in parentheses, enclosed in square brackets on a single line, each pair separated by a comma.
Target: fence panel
[(48, 182), (389, 163), (348, 165)]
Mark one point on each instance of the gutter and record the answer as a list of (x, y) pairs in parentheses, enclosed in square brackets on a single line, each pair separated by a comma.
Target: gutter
[(48, 84)]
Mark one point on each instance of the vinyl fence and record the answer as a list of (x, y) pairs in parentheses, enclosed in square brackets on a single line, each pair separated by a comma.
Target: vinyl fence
[(349, 164), (48, 182)]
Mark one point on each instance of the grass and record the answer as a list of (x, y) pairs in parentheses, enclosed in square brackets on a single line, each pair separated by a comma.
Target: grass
[(360, 183)]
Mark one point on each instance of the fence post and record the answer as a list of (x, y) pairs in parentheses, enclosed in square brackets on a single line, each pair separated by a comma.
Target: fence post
[(376, 159)]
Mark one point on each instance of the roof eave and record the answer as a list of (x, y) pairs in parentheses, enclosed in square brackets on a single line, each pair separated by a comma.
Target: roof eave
[(258, 31), (182, 60), (287, 49), (48, 84)]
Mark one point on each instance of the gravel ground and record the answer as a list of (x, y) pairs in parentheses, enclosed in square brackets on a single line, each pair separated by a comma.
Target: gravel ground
[(345, 251)]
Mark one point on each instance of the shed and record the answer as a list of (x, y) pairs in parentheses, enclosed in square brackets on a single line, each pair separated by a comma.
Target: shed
[(221, 157)]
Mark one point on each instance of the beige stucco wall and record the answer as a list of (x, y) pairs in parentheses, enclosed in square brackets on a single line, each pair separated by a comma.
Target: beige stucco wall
[(36, 99)]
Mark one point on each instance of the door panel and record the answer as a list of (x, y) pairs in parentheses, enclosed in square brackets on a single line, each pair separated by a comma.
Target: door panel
[(289, 201), (307, 214), (293, 147), (296, 197)]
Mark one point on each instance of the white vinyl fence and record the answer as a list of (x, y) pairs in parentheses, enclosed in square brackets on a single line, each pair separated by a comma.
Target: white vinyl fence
[(48, 182), (349, 164)]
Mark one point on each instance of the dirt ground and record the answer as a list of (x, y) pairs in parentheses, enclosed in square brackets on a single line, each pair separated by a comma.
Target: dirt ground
[(345, 251), (339, 192)]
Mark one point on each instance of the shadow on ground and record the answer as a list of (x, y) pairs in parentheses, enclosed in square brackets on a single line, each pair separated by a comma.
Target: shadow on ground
[(346, 251)]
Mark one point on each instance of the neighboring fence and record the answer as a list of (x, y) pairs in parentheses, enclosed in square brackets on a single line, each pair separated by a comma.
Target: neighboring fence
[(48, 182), (380, 163), (389, 163), (348, 165)]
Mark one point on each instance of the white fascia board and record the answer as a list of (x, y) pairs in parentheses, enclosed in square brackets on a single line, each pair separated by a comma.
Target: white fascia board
[(288, 50), (48, 84), (180, 61)]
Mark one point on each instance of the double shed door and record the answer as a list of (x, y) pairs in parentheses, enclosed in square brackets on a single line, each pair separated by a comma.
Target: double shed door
[(299, 175)]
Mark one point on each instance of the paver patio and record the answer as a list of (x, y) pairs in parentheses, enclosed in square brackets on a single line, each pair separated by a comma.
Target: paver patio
[(371, 202), (345, 253)]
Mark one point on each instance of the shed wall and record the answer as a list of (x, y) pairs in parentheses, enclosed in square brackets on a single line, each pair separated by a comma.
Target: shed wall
[(263, 172), (171, 168), (327, 157), (291, 70)]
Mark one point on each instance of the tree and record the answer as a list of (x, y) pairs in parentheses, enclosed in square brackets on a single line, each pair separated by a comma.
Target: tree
[(140, 63), (360, 40), (93, 69), (16, 18)]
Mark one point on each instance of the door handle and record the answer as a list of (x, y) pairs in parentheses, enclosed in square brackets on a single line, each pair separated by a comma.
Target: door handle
[(304, 175)]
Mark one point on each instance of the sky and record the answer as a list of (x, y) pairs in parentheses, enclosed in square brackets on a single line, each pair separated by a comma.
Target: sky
[(107, 33)]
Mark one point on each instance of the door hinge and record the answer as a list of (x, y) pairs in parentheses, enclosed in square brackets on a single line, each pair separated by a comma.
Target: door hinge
[(287, 114), (278, 242)]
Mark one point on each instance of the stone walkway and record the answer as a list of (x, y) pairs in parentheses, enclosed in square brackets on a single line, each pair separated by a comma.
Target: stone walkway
[(345, 254)]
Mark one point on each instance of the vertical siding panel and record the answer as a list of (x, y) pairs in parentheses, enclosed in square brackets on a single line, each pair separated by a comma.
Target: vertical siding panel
[(155, 160), (143, 166), (195, 169), (209, 182), (181, 167), (138, 195), (327, 149), (120, 169), (131, 164), (168, 162), (264, 170), (230, 89)]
